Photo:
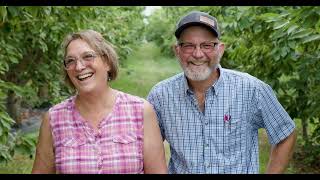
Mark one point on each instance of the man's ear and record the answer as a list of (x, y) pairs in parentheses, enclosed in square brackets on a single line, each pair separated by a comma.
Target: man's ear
[(175, 49), (221, 49)]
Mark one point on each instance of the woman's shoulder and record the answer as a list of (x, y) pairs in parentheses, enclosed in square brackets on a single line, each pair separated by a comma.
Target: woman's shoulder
[(129, 98)]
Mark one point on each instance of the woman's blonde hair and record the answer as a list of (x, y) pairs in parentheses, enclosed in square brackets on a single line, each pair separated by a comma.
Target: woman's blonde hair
[(101, 46)]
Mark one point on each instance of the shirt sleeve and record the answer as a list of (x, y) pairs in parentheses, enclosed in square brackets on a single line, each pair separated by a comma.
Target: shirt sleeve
[(272, 116), (154, 100)]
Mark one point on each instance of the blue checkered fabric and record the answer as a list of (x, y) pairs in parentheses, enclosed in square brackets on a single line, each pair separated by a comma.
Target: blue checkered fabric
[(224, 137)]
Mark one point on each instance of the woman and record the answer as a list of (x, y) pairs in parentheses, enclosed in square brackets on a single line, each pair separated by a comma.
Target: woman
[(99, 129)]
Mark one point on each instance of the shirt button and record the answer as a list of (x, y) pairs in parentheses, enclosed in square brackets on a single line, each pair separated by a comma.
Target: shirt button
[(207, 164), (100, 164), (97, 136)]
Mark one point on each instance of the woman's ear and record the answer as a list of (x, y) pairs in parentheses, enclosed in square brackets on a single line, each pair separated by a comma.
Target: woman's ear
[(106, 63)]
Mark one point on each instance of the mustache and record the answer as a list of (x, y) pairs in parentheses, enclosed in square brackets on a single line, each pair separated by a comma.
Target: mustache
[(198, 60)]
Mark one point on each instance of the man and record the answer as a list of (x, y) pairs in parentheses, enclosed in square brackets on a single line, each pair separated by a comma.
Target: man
[(210, 115)]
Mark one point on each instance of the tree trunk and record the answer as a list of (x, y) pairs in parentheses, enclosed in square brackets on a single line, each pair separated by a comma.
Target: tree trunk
[(304, 125), (43, 92), (14, 107)]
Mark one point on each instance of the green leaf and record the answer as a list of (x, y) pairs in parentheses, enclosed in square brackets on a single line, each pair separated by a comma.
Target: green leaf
[(311, 38), (278, 34), (301, 34), (291, 29), (283, 52), (3, 13), (14, 11), (270, 17), (257, 28), (280, 24), (292, 44)]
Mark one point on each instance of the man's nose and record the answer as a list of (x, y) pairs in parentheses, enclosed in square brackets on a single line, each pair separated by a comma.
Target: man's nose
[(198, 52)]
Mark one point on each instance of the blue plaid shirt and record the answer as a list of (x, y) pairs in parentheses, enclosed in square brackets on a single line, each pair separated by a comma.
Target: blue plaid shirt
[(224, 137)]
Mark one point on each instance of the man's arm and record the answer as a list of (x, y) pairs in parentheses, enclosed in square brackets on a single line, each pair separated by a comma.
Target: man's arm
[(280, 154)]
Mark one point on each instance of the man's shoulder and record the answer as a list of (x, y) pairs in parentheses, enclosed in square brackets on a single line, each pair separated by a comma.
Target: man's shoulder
[(238, 76), (170, 82)]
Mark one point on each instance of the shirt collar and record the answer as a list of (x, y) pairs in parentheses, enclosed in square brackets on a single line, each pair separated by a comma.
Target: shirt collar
[(185, 86), (216, 86)]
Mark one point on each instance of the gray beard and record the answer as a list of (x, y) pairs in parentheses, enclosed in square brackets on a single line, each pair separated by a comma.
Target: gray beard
[(200, 76)]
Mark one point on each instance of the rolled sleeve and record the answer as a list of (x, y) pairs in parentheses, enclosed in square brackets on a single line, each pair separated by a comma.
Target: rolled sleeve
[(275, 119), (154, 100)]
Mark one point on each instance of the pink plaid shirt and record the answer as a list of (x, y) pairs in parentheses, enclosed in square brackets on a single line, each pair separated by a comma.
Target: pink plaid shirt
[(116, 147)]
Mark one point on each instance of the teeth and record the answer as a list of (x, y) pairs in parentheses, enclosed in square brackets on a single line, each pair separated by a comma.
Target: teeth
[(84, 76), (197, 64)]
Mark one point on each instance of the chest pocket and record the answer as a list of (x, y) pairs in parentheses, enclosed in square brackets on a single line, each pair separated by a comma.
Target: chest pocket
[(125, 138), (234, 128), (127, 144), (70, 153), (70, 147), (127, 149)]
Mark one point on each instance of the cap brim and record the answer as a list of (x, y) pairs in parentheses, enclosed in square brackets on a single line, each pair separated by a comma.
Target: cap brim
[(183, 27)]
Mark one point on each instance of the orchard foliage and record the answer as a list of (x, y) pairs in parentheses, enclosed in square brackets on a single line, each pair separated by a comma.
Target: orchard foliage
[(31, 56), (161, 26), (279, 45)]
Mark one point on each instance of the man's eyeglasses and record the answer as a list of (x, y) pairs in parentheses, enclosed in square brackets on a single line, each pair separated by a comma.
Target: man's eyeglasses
[(206, 47), (85, 59)]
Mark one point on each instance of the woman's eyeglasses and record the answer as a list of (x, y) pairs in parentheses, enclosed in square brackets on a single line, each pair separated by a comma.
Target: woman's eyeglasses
[(85, 59)]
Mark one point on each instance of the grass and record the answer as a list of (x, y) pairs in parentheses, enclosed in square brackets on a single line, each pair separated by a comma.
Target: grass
[(264, 150), (143, 70), (20, 164)]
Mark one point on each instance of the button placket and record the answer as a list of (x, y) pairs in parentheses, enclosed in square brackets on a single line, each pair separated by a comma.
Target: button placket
[(206, 141), (207, 164)]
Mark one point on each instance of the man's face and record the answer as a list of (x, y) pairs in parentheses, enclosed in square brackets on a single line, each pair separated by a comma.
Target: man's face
[(199, 52)]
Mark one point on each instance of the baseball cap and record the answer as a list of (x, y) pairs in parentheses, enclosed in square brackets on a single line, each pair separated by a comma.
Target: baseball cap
[(195, 18)]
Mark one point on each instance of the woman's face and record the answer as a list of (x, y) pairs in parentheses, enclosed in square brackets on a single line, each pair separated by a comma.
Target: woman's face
[(85, 67)]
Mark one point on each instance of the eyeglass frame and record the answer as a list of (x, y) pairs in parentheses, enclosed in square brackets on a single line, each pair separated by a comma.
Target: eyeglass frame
[(82, 60), (215, 45)]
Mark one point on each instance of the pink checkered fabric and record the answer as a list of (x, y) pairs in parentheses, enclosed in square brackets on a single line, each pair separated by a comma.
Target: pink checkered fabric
[(116, 148)]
